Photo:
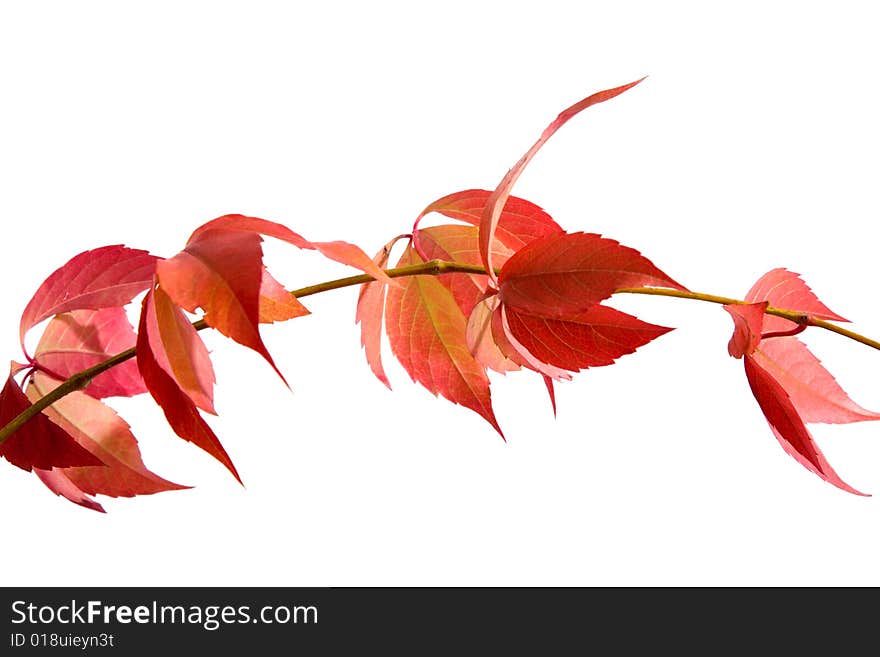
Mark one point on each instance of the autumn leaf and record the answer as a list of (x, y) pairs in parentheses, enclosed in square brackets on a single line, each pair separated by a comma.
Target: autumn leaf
[(340, 251), (369, 314), (39, 443), (277, 304), (785, 289), (80, 339), (177, 348), (180, 411), (787, 425), (60, 484), (790, 384), (519, 223), (221, 272), (592, 338), (498, 199), (427, 332), (460, 244), (813, 390), (97, 428), (101, 278), (565, 273), (481, 341)]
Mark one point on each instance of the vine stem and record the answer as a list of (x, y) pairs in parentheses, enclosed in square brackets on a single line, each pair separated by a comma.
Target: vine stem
[(81, 380)]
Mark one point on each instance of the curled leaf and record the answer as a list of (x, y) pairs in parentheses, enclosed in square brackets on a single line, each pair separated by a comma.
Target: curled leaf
[(180, 411), (498, 199)]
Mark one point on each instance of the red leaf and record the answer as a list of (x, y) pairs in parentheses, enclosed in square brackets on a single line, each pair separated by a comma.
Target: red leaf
[(566, 273), (787, 291), (369, 313), (813, 390), (276, 303), (39, 443), (220, 271), (748, 323), (787, 425), (60, 484), (79, 339), (520, 222), (498, 199), (427, 332), (178, 349), (98, 428), (592, 338), (344, 252), (101, 278), (181, 413)]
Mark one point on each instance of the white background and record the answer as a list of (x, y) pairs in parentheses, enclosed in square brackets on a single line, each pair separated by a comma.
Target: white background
[(753, 144)]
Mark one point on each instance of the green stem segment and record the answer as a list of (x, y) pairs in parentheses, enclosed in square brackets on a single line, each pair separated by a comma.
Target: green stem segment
[(82, 379)]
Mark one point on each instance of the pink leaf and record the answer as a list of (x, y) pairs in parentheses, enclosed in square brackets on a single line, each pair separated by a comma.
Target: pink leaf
[(481, 341), (101, 278), (79, 339), (748, 322), (813, 390), (787, 425), (98, 428), (60, 484), (787, 291)]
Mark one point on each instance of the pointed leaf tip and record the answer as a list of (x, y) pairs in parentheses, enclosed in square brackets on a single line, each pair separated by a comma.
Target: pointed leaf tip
[(492, 211), (788, 427)]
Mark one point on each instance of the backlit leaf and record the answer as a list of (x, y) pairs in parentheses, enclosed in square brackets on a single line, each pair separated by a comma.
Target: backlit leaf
[(39, 443), (79, 339), (787, 425), (520, 222), (369, 314), (427, 332), (498, 199), (101, 278), (565, 273), (98, 428), (786, 290), (343, 252), (179, 410), (595, 337), (178, 349), (220, 271), (276, 303), (813, 390)]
